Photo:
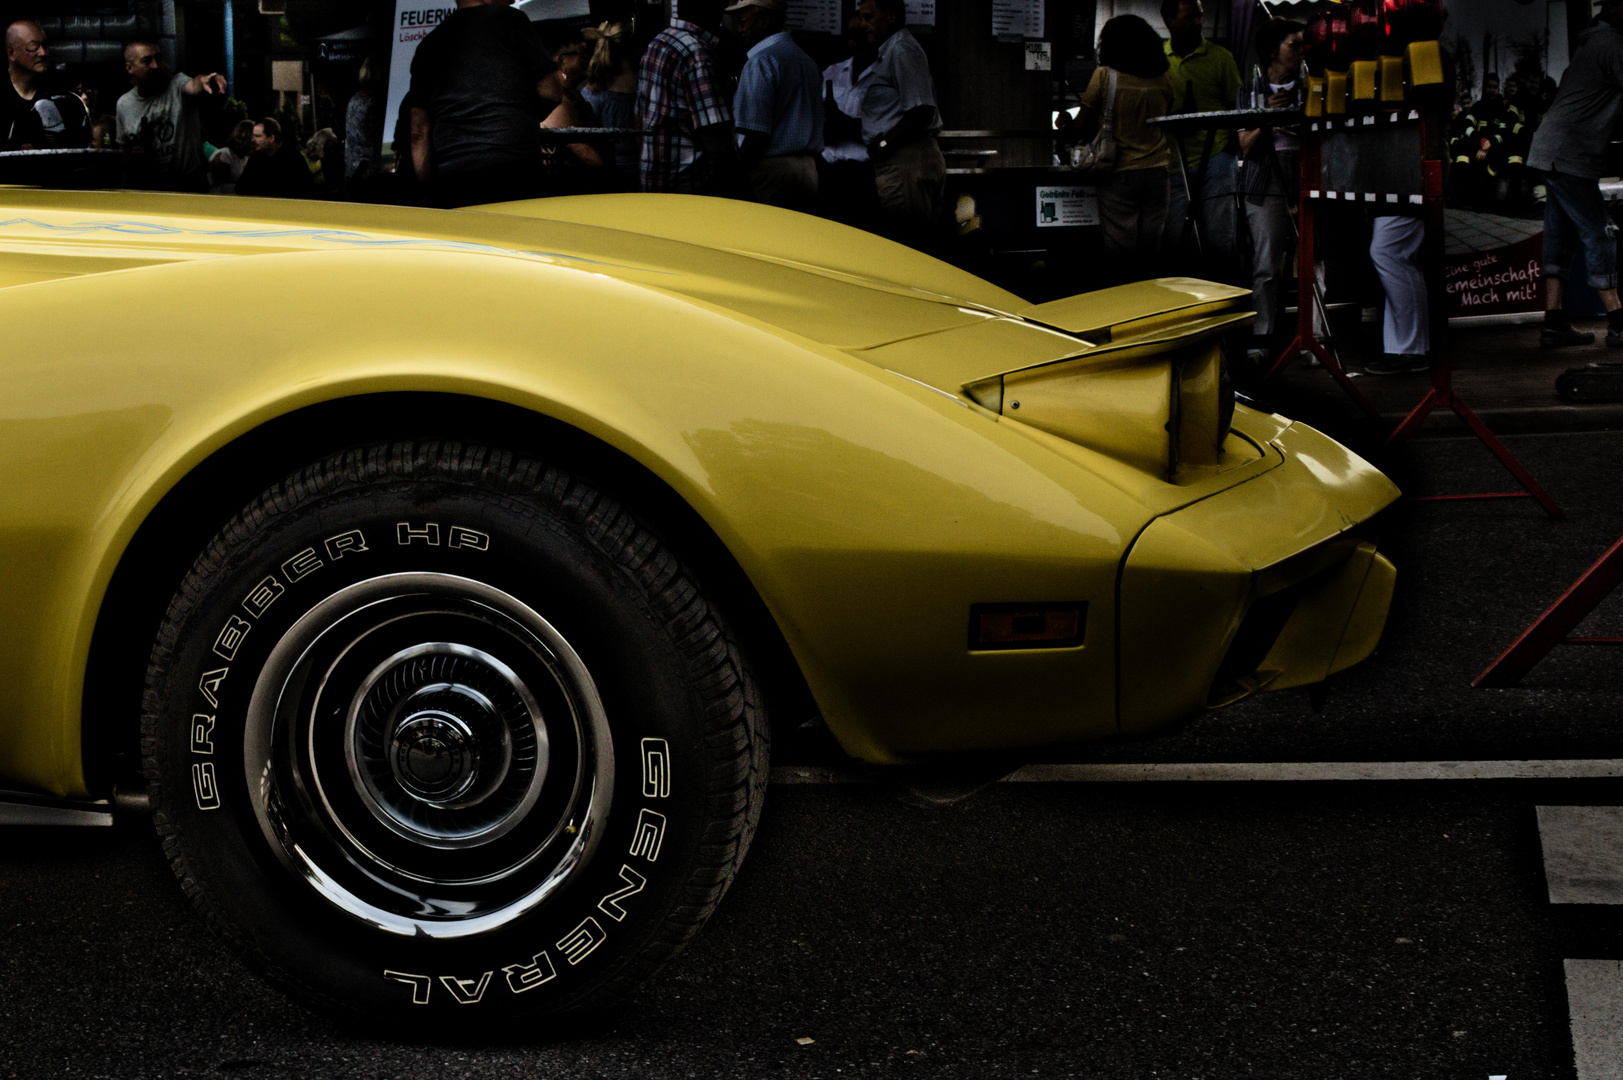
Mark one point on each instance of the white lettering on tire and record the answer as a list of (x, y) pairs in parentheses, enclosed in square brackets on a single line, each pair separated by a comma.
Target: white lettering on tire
[(230, 639), (460, 537), (649, 835), (204, 787), (610, 904), (467, 991), (346, 543), (202, 733), (656, 769), (302, 565), (262, 596), (578, 944), (522, 977), (209, 682), (420, 985), (428, 534)]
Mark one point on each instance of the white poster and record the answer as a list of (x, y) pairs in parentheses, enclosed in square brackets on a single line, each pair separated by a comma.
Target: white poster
[(1064, 206), (1039, 56), (815, 16), (1017, 18), (542, 10), (921, 12), (413, 21)]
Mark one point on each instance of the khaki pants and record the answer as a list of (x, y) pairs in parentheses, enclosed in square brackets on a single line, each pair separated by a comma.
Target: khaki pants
[(789, 181), (910, 180), (1133, 211)]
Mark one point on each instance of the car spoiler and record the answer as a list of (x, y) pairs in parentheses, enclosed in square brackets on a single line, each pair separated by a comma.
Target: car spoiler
[(1137, 310), (1151, 390)]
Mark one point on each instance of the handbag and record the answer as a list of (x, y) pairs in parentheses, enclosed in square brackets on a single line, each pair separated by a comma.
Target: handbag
[(1096, 158)]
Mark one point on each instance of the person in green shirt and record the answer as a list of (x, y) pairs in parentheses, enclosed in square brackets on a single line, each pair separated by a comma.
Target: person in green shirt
[(1204, 78)]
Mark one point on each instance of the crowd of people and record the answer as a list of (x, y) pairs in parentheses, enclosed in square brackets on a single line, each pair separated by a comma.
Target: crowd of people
[(486, 90), (1489, 140), (855, 141)]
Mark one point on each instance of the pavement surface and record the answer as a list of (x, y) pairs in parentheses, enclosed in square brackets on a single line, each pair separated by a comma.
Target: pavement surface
[(1497, 370)]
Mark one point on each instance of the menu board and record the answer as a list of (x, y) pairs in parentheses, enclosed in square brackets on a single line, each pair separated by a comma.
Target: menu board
[(921, 12), (1017, 18), (815, 16)]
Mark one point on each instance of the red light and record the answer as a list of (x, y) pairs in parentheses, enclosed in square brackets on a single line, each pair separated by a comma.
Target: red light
[(1317, 44), (1406, 21), (1364, 29)]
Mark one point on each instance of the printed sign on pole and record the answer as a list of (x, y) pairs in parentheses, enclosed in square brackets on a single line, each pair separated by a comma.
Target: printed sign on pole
[(1058, 207)]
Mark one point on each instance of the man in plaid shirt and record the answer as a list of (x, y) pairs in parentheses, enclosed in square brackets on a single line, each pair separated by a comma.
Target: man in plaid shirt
[(686, 101)]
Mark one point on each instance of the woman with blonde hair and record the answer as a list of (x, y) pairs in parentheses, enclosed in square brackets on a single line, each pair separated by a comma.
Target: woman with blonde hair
[(611, 88)]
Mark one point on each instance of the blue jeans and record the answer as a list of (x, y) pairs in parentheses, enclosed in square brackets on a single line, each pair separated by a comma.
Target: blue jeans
[(1574, 212), (1216, 214)]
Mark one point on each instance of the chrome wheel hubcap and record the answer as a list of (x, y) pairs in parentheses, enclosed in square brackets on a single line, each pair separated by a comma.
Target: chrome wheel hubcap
[(428, 754)]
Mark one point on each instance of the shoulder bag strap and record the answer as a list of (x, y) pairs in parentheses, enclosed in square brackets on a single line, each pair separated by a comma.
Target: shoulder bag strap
[(1108, 124)]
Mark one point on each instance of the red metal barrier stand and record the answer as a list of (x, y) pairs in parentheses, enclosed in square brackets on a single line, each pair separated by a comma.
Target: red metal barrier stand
[(1442, 381), (1551, 628)]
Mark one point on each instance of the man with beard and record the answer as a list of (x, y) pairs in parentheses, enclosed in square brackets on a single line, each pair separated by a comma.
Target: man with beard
[(158, 125), (274, 169)]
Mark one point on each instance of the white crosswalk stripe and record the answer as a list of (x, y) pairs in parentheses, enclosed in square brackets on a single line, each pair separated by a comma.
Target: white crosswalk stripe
[(1583, 853), (1595, 1002), (1583, 864), (1253, 771)]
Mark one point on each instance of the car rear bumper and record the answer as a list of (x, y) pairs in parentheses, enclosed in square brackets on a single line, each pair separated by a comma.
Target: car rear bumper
[(1273, 583)]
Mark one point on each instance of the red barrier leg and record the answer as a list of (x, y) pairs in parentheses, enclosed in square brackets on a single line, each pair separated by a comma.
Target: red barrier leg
[(1442, 380), (1552, 627)]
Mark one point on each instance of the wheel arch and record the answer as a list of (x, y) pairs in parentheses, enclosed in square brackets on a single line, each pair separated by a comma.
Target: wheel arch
[(169, 538)]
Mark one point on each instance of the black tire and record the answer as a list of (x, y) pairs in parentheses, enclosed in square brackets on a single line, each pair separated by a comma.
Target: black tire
[(436, 731)]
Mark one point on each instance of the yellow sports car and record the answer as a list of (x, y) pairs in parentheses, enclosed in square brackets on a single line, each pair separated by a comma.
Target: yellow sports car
[(440, 571)]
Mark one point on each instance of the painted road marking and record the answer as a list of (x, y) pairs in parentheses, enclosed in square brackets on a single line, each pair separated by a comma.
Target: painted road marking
[(1595, 1003), (1583, 853), (1250, 771)]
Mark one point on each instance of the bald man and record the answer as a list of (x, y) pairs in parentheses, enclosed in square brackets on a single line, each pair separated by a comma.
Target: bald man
[(158, 125), (27, 65)]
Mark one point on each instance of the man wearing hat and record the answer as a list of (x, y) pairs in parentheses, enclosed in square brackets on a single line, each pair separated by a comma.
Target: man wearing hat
[(1570, 150), (776, 109)]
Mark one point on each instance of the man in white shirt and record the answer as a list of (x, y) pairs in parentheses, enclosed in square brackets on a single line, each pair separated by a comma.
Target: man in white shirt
[(899, 125), (845, 184)]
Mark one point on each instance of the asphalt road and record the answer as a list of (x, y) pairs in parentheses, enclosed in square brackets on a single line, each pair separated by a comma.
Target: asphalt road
[(1189, 930)]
